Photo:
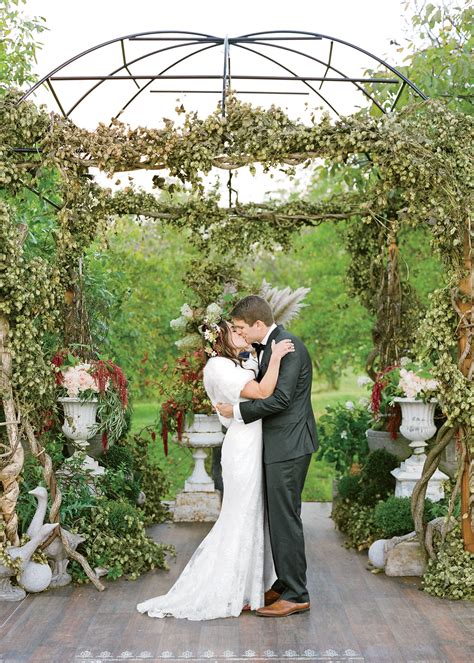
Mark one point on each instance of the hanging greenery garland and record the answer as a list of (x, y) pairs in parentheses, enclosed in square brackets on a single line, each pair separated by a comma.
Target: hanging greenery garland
[(416, 165)]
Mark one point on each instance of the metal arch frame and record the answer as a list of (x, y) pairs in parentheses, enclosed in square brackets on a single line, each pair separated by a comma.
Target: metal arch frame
[(244, 42)]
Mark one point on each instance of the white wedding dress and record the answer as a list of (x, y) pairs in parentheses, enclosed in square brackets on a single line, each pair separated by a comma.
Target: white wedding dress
[(233, 565)]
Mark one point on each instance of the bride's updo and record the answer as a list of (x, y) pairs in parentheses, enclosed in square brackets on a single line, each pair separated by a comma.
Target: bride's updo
[(223, 346)]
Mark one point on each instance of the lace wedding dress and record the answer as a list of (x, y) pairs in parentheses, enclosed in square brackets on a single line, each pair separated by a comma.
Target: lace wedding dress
[(233, 565)]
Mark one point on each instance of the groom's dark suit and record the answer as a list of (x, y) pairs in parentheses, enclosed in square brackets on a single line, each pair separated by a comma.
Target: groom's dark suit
[(289, 439)]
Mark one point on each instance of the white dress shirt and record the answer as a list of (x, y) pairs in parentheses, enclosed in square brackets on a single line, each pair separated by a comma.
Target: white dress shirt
[(237, 415)]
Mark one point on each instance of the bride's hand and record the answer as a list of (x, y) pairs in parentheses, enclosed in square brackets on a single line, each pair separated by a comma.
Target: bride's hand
[(282, 348)]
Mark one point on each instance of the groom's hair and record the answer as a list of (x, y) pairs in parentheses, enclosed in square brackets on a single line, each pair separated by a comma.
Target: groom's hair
[(253, 308)]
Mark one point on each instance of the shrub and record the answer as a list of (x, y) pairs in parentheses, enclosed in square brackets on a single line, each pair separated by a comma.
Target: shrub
[(349, 487), (153, 482), (356, 522), (342, 440), (393, 517), (116, 539), (117, 455), (376, 481)]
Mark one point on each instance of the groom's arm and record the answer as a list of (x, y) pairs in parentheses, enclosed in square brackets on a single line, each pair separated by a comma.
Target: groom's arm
[(282, 396)]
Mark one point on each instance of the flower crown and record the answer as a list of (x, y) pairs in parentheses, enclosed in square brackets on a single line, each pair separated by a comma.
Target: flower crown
[(200, 324)]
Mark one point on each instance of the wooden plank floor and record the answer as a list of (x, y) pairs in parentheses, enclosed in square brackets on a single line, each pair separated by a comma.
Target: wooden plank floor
[(355, 616)]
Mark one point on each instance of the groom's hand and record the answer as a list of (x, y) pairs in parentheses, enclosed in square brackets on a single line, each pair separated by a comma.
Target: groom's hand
[(225, 410)]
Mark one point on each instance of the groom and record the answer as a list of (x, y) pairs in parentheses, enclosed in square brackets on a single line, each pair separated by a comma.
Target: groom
[(289, 439)]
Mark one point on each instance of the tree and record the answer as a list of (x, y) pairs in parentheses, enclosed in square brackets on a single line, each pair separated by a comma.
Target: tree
[(438, 52), (18, 44)]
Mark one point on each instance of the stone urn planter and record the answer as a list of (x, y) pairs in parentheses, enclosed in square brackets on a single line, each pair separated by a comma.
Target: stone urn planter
[(381, 439), (418, 426), (199, 500), (79, 420)]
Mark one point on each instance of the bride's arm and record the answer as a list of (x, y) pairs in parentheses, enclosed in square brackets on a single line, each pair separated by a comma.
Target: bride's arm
[(266, 387)]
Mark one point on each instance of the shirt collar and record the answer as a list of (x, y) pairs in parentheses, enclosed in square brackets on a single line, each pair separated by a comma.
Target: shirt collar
[(265, 339)]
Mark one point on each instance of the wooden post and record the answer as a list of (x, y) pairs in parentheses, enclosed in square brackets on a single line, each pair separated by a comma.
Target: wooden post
[(466, 358), (13, 453)]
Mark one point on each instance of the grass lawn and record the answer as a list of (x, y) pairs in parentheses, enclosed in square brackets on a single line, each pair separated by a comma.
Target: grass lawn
[(179, 462)]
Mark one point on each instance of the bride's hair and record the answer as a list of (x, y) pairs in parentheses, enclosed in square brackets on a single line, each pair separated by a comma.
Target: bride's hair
[(223, 344)]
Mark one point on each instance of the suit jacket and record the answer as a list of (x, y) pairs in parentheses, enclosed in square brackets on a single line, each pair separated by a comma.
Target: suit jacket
[(289, 427)]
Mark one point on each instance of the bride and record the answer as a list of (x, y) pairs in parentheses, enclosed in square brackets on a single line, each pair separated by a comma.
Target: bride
[(232, 567)]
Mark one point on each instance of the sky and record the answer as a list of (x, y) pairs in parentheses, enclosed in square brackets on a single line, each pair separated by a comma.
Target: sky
[(77, 26)]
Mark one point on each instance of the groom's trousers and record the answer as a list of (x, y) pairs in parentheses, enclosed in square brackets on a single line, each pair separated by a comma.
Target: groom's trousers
[(284, 483)]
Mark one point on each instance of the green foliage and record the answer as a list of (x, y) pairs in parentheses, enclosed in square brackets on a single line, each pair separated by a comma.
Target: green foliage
[(116, 540), (117, 456), (119, 483), (153, 481), (442, 65), (30, 300), (393, 517), (451, 574), (348, 487), (376, 480), (342, 437), (356, 521), (19, 44), (132, 292)]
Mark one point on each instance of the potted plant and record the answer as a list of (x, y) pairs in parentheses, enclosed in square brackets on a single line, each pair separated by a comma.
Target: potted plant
[(384, 431), (94, 398), (414, 389), (185, 397)]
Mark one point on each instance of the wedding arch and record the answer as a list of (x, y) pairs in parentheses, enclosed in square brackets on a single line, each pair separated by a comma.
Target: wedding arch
[(415, 164)]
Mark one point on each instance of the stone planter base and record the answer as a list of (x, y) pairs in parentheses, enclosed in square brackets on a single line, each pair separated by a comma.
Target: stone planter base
[(380, 439), (406, 559), (197, 506)]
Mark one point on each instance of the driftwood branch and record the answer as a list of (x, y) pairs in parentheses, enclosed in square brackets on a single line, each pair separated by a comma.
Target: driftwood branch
[(443, 438)]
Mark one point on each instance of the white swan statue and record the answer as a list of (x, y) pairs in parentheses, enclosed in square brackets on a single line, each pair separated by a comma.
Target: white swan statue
[(55, 552), (24, 553)]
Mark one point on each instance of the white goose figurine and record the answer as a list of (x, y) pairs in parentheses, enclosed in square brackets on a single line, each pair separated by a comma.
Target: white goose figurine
[(41, 495), (56, 550), (24, 553)]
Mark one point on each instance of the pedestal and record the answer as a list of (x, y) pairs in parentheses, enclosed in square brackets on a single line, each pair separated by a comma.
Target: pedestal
[(200, 501), (197, 506), (409, 473)]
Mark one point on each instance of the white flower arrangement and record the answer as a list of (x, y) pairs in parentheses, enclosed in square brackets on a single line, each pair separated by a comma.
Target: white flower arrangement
[(207, 326), (413, 385), (187, 311), (77, 379)]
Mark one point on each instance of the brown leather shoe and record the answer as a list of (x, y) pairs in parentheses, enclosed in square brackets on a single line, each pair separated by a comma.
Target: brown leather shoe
[(271, 596), (282, 608)]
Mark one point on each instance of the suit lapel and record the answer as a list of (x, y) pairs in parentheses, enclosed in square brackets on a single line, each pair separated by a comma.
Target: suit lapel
[(267, 352)]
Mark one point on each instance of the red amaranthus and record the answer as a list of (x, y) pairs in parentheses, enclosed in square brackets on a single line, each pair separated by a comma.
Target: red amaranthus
[(185, 394), (394, 412)]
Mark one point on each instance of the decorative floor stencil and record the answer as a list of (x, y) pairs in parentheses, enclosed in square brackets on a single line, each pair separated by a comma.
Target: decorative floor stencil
[(347, 655)]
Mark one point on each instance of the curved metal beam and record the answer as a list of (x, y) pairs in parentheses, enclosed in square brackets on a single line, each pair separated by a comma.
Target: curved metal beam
[(326, 64), (317, 35), (107, 43), (267, 57), (127, 64), (152, 80), (244, 42)]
